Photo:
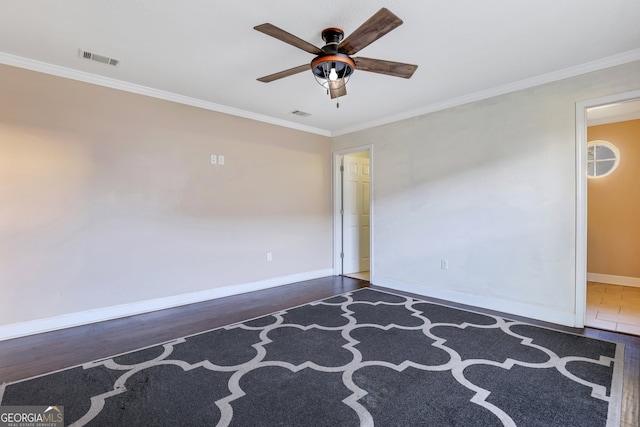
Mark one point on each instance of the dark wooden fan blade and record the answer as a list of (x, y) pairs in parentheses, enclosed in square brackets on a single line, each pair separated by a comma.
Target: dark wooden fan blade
[(375, 27), (390, 68), (282, 35), (337, 88), (285, 73)]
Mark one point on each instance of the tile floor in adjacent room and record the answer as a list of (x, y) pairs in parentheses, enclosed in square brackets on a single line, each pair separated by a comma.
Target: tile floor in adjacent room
[(613, 307), (363, 275)]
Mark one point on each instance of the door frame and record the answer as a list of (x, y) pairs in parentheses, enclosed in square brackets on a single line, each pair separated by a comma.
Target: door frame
[(581, 195), (337, 204)]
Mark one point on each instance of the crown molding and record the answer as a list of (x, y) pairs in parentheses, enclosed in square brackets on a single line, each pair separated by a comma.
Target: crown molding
[(68, 73), (600, 64), (43, 67)]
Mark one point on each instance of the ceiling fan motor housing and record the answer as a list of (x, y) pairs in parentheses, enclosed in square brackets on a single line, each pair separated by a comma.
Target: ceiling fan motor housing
[(332, 36), (332, 58)]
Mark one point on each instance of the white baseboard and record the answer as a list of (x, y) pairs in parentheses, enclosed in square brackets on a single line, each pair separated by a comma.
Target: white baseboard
[(48, 324), (509, 307), (614, 280)]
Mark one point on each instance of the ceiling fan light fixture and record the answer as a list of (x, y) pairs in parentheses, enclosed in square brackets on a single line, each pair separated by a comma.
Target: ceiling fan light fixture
[(336, 68)]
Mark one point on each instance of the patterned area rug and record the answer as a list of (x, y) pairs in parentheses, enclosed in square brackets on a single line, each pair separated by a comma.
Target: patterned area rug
[(363, 358)]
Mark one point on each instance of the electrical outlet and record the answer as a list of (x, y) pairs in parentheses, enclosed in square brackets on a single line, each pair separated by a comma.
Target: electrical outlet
[(444, 264), (221, 160), (269, 256), (214, 159)]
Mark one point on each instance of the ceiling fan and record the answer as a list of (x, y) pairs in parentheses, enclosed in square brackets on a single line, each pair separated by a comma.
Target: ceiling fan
[(333, 64)]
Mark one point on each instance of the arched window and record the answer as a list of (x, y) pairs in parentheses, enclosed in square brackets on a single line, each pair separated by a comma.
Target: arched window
[(602, 158)]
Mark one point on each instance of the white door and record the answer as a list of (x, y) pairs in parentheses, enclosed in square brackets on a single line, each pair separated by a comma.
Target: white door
[(356, 205)]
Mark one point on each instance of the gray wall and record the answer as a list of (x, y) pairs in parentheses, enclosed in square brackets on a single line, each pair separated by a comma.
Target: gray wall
[(489, 186), (108, 198)]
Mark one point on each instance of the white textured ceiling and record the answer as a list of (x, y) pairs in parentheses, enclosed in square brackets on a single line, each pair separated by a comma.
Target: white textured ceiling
[(206, 52)]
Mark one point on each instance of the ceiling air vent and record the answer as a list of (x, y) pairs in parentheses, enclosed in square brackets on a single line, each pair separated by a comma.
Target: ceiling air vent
[(300, 113), (100, 58)]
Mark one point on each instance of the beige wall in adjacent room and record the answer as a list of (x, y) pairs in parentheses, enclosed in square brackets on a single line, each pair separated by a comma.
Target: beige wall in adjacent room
[(109, 198), (489, 186), (613, 215)]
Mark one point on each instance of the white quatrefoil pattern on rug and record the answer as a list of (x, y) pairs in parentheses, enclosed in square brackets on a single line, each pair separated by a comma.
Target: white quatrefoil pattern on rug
[(363, 358)]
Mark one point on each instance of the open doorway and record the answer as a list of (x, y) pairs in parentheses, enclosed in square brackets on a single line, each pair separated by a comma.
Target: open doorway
[(353, 213), (604, 285)]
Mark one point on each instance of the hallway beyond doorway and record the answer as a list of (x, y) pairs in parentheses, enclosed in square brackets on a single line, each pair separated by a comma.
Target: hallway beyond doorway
[(613, 308)]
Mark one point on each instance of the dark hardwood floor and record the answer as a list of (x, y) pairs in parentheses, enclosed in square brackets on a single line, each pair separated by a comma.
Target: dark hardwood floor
[(38, 354)]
